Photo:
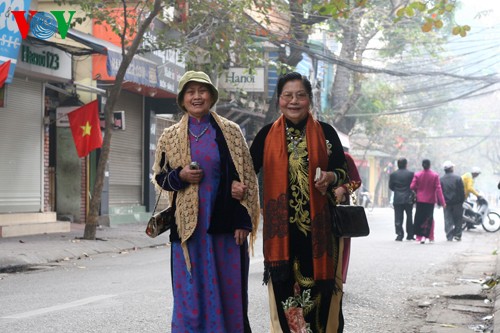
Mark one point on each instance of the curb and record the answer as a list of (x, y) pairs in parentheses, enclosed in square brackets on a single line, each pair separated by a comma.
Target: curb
[(20, 253)]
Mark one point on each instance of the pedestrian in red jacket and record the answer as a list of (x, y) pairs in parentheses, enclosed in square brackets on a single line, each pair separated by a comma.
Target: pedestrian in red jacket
[(428, 188)]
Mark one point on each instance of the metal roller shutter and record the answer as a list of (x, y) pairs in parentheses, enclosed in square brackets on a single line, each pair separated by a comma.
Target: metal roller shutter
[(21, 148), (125, 158)]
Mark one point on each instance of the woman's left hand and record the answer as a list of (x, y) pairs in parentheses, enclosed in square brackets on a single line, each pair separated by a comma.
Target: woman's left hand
[(240, 235), (324, 181)]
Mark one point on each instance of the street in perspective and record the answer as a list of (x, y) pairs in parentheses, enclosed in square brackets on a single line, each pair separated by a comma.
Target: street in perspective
[(145, 144), (391, 286)]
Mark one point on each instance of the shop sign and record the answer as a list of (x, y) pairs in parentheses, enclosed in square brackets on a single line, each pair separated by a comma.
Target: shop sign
[(170, 71), (45, 60), (242, 79), (10, 36), (139, 71)]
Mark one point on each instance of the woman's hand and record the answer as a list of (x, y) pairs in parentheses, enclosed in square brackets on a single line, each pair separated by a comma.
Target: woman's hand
[(191, 176), (238, 190), (240, 235), (326, 178), (340, 194)]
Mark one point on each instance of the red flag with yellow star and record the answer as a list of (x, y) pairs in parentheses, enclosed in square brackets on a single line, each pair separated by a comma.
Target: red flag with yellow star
[(86, 129), (4, 72)]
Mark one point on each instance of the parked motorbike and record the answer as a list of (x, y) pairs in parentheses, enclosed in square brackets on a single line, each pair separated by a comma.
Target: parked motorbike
[(480, 214), (365, 200)]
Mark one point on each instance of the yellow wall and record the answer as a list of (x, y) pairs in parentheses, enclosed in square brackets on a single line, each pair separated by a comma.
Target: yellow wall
[(82, 65)]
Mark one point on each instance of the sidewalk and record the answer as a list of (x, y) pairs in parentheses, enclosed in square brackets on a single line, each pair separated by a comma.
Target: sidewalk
[(458, 301), (18, 253)]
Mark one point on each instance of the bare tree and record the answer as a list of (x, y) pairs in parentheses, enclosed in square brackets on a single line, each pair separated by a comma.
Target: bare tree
[(112, 98)]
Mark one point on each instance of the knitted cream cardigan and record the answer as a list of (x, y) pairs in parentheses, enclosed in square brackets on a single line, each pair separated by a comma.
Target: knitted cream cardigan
[(174, 142)]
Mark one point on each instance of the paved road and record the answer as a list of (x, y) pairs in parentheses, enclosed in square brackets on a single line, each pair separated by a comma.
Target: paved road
[(392, 287)]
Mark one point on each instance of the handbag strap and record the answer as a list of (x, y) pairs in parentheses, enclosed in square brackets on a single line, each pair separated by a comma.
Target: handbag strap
[(159, 195), (353, 200)]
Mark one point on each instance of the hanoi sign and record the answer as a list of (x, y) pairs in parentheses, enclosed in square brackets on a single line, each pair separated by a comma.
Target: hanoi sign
[(239, 78), (44, 61)]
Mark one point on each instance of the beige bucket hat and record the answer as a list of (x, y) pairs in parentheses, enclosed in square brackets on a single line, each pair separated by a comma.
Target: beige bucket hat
[(201, 77)]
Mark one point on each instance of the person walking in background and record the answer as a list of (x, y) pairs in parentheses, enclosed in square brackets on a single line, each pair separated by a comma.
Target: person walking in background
[(217, 208), (343, 194), (302, 257), (428, 188), (399, 183), (468, 179), (453, 192)]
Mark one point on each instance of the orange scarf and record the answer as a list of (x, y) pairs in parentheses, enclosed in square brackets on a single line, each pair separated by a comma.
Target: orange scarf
[(276, 221)]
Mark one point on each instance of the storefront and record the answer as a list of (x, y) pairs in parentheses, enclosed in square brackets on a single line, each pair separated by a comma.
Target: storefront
[(127, 191), (21, 147), (24, 181)]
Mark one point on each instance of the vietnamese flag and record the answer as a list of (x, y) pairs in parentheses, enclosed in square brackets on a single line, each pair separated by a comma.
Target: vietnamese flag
[(4, 72), (86, 129)]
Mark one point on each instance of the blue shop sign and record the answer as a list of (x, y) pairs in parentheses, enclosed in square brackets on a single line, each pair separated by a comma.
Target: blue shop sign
[(10, 37), (139, 71)]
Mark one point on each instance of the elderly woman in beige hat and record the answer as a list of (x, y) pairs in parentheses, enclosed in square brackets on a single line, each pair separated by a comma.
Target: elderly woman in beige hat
[(204, 158)]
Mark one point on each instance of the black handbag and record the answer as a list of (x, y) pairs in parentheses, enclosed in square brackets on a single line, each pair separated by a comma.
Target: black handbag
[(163, 220), (348, 220)]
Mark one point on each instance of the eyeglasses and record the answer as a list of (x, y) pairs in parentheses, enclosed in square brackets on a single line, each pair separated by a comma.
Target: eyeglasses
[(300, 96)]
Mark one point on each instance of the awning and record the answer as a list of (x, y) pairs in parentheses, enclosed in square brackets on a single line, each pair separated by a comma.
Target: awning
[(361, 163), (88, 40), (73, 50), (141, 76), (141, 70)]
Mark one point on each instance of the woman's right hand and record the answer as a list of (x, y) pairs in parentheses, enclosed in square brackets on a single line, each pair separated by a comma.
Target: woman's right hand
[(191, 176), (238, 190)]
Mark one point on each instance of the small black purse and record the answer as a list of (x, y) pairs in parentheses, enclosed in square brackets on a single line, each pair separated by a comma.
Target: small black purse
[(163, 220), (348, 220)]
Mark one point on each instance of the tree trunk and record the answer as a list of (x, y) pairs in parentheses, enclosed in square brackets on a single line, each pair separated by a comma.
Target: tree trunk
[(95, 202), (114, 93), (343, 81)]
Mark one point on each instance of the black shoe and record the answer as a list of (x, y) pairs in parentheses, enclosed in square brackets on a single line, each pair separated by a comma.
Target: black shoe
[(399, 239), (458, 239), (410, 239), (470, 226)]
